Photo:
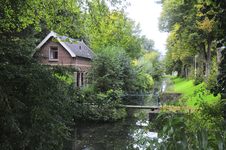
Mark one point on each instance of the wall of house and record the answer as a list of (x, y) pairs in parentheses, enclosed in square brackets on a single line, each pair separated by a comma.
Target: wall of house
[(82, 63), (64, 58)]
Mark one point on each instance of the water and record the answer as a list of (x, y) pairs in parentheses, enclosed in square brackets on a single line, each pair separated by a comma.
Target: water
[(118, 135)]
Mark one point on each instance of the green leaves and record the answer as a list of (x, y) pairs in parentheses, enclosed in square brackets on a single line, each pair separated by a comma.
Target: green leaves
[(180, 119), (220, 140), (116, 30), (112, 66), (32, 113), (202, 138)]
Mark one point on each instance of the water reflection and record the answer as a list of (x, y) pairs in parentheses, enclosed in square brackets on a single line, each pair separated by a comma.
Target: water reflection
[(118, 135), (100, 136)]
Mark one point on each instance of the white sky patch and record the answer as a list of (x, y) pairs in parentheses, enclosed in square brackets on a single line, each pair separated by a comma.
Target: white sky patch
[(147, 12)]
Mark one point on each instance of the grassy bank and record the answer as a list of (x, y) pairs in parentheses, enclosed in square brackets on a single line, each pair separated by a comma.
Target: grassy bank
[(191, 94)]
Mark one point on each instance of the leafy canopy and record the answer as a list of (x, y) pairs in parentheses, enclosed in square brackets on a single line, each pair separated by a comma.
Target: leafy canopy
[(116, 29)]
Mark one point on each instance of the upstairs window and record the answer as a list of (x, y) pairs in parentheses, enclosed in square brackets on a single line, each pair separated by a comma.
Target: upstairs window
[(80, 47), (53, 53)]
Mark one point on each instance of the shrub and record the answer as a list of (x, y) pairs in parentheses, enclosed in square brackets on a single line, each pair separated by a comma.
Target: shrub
[(90, 89), (211, 81), (145, 81), (103, 105), (66, 78), (112, 66), (198, 79)]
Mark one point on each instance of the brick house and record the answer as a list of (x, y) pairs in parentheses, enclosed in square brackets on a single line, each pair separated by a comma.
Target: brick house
[(77, 55)]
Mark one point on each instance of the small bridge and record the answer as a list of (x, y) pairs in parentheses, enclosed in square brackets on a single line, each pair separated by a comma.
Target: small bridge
[(136, 106), (153, 95), (153, 108), (131, 101)]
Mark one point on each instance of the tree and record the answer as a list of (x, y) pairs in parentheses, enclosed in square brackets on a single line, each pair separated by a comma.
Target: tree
[(116, 29), (148, 44), (208, 27), (171, 65), (174, 19), (112, 66), (33, 115), (150, 64), (195, 31)]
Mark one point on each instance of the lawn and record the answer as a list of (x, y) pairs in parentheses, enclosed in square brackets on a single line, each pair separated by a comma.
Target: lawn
[(181, 85)]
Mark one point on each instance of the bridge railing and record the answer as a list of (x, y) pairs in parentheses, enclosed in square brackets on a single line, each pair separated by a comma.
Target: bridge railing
[(142, 100)]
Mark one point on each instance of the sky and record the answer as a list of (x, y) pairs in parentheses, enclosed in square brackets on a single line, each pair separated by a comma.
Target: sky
[(147, 12)]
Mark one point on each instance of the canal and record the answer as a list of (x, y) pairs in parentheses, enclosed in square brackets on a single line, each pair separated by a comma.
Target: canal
[(89, 135)]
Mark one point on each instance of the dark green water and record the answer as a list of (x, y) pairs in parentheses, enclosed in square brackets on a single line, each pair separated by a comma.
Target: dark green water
[(118, 135)]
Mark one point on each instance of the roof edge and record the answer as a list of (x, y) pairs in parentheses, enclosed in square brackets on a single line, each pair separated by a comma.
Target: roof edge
[(87, 47), (53, 34)]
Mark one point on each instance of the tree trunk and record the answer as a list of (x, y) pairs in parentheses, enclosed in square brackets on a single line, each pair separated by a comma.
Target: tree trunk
[(182, 71), (219, 55), (179, 72), (201, 57), (186, 71), (208, 60)]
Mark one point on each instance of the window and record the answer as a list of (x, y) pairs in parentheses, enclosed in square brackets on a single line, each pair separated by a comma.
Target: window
[(53, 53), (80, 47)]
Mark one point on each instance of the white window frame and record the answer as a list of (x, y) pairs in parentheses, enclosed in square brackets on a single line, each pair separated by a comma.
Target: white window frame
[(52, 59)]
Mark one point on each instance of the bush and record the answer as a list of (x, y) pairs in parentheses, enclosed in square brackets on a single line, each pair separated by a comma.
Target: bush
[(208, 116), (112, 66), (66, 78), (102, 106), (145, 81), (88, 90), (211, 81), (198, 79), (191, 75)]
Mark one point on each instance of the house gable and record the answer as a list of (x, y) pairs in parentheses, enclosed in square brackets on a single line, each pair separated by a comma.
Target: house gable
[(64, 57), (74, 48), (53, 34)]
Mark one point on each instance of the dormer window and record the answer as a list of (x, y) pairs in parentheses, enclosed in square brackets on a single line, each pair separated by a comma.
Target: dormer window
[(80, 47), (53, 52)]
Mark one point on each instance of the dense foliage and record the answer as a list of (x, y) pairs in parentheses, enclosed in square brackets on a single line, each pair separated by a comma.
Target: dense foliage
[(220, 18), (112, 66), (33, 115), (118, 30)]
